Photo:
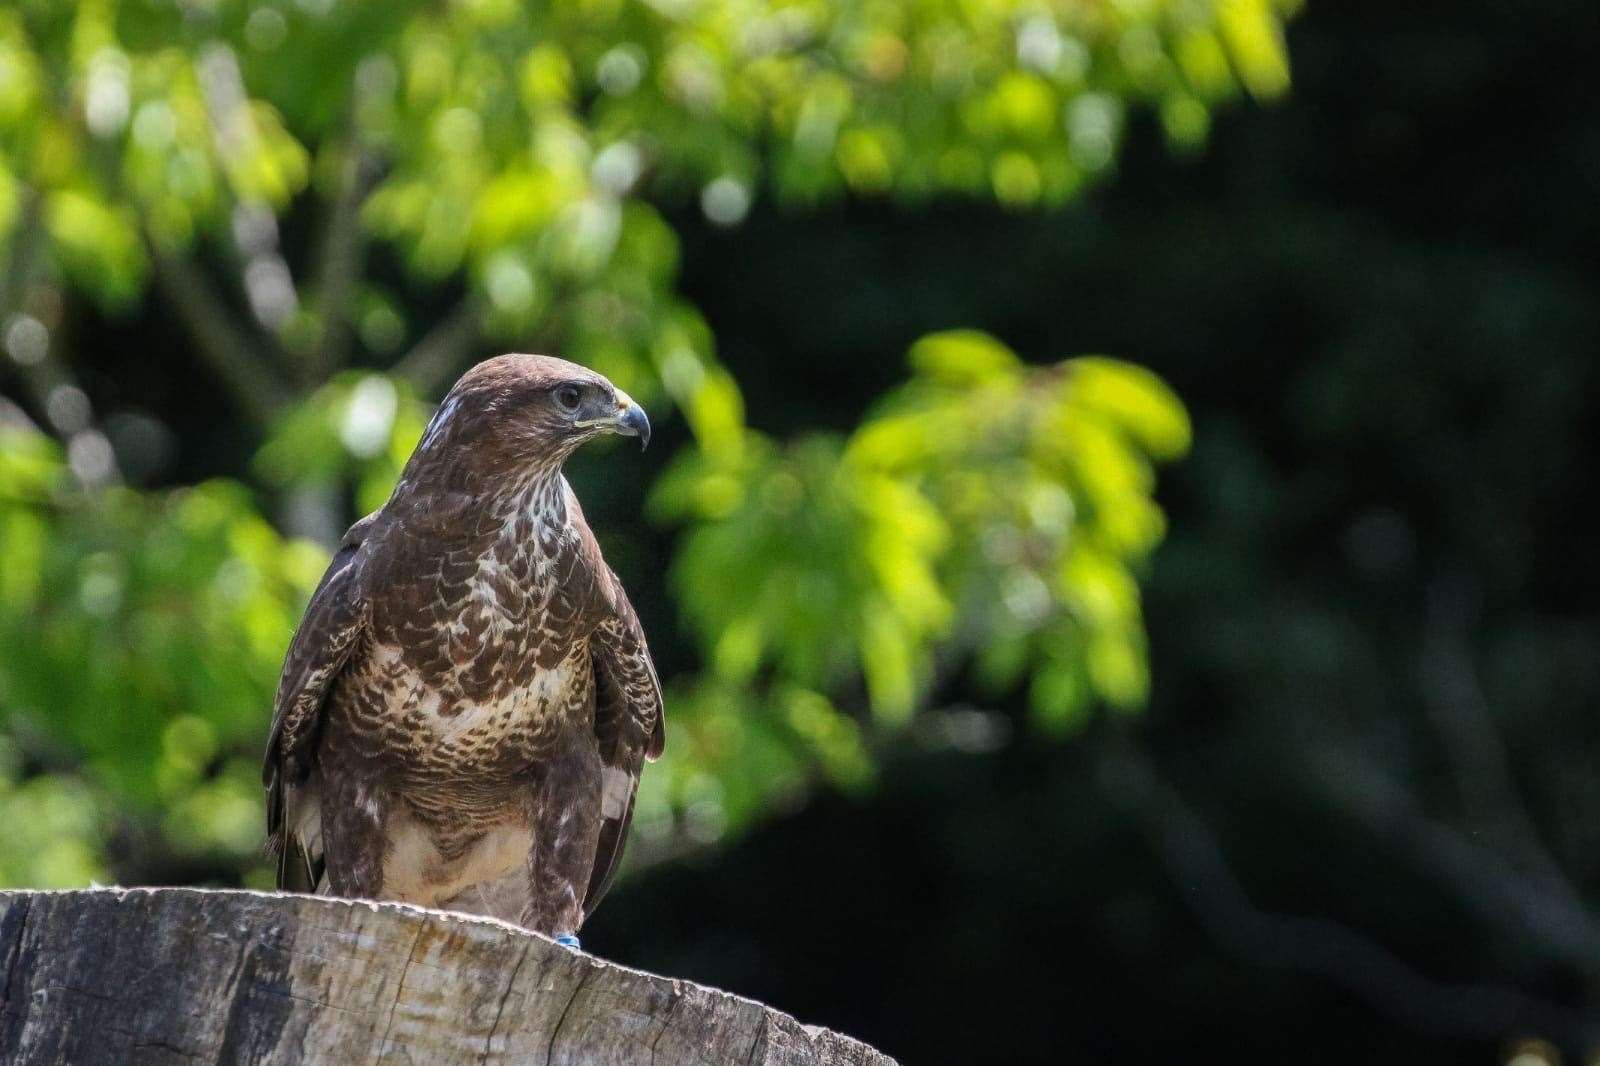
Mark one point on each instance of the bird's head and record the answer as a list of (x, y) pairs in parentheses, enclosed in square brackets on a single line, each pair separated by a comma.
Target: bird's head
[(531, 409)]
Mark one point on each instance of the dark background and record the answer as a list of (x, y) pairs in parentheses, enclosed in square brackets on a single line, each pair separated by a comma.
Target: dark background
[(1378, 300)]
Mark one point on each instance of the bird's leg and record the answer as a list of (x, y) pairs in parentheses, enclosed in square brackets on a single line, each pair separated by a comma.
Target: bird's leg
[(565, 819), (354, 816)]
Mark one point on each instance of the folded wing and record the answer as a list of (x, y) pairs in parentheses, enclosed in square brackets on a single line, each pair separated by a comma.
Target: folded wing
[(630, 723), (332, 625)]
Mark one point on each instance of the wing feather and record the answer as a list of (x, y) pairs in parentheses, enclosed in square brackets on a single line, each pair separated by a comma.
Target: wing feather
[(333, 622), (630, 723)]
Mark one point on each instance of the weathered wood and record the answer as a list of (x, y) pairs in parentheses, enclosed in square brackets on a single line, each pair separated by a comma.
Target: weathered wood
[(189, 975)]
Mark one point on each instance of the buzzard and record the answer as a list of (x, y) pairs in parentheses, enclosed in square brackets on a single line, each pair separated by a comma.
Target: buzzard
[(468, 702)]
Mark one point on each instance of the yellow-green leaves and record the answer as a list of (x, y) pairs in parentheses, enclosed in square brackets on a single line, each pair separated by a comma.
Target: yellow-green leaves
[(96, 243), (359, 427), (56, 827), (1137, 402), (21, 78), (1255, 43), (143, 635), (118, 121), (990, 511), (513, 144), (962, 358)]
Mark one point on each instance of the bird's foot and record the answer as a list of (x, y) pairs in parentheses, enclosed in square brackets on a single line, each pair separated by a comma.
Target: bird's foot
[(567, 940)]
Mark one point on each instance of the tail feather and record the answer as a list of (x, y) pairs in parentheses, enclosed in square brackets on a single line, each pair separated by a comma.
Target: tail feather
[(608, 857), (294, 835), (298, 871)]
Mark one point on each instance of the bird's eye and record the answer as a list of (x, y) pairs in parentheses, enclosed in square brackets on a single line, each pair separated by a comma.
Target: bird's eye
[(567, 396)]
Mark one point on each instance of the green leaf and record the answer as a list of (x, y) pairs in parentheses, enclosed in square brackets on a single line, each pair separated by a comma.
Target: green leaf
[(962, 358)]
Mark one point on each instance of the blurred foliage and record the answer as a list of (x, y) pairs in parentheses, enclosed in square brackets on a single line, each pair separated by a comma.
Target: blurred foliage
[(515, 141), (142, 633), (519, 159), (988, 509), (357, 430)]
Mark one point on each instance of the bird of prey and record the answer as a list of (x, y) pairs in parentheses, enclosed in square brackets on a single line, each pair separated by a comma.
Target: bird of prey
[(468, 702)]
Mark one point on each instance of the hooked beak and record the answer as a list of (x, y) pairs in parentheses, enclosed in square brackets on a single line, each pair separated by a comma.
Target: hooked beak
[(628, 419), (633, 423)]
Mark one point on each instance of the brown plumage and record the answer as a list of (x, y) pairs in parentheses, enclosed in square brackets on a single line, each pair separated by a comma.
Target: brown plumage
[(469, 700)]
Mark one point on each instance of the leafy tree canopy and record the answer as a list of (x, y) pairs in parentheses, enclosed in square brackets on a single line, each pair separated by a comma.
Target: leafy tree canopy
[(492, 174)]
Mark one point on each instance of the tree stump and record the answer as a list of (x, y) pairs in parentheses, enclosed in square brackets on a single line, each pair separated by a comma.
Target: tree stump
[(189, 975)]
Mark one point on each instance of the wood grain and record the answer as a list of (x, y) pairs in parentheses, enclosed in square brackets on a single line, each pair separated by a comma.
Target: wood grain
[(196, 976)]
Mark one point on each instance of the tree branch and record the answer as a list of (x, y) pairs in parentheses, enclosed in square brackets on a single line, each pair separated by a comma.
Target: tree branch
[(24, 250), (90, 456), (1460, 714), (1532, 913), (339, 264), (233, 355), (432, 361), (1317, 946)]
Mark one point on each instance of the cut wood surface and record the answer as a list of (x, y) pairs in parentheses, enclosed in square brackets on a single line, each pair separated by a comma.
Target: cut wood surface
[(178, 975)]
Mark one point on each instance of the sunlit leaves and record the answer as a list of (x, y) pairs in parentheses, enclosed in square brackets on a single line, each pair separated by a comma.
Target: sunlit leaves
[(962, 358), (359, 428), (512, 142), (143, 636), (738, 752), (97, 245), (114, 131), (55, 827), (990, 511), (20, 77), (1255, 44)]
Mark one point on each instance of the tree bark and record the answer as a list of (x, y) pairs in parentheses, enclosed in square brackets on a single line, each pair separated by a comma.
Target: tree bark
[(188, 975)]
